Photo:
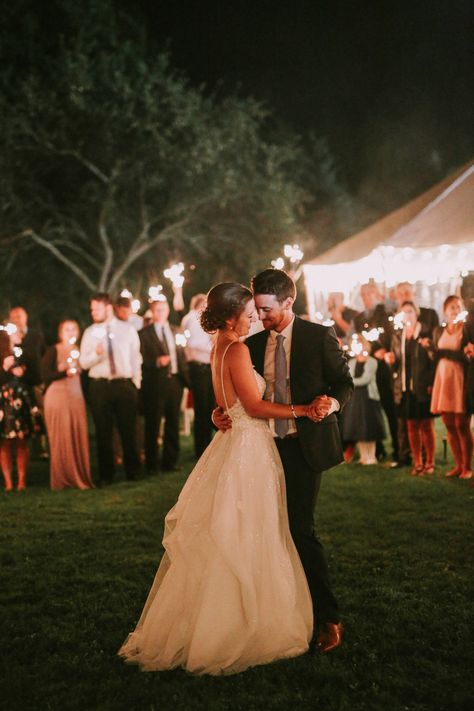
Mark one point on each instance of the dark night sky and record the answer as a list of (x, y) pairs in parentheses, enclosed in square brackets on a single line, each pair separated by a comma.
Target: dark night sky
[(374, 78)]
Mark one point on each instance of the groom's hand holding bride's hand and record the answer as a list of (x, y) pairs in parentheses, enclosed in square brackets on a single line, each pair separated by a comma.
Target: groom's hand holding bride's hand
[(221, 419), (319, 408)]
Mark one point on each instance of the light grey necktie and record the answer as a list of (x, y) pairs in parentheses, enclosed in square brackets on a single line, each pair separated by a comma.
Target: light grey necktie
[(280, 390)]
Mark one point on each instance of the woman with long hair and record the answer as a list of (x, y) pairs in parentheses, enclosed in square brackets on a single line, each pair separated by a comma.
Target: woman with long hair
[(412, 360), (17, 411), (449, 396), (65, 411)]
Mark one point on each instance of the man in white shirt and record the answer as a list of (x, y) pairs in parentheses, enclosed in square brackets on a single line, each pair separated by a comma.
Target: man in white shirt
[(110, 351), (198, 352)]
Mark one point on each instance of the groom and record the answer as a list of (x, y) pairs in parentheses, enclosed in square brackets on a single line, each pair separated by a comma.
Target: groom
[(317, 373)]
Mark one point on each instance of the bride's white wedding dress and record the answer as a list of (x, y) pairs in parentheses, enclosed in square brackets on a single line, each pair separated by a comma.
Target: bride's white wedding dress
[(230, 591)]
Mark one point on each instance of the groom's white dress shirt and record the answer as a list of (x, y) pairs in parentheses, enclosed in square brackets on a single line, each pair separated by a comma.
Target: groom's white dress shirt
[(269, 373)]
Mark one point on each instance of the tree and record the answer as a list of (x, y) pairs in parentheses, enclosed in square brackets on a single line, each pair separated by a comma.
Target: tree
[(110, 157)]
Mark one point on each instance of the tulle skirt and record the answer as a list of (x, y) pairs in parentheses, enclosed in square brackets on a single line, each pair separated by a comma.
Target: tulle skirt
[(230, 591)]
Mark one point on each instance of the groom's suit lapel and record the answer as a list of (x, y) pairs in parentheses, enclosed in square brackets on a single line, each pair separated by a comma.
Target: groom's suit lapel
[(257, 345), (297, 351)]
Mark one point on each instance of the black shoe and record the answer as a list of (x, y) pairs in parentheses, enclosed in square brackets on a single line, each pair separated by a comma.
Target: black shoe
[(170, 468), (152, 472)]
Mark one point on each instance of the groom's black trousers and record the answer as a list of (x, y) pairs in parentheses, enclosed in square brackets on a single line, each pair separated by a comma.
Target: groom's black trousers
[(302, 488)]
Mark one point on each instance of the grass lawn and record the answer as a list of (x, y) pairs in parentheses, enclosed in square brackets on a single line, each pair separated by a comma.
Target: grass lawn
[(76, 567)]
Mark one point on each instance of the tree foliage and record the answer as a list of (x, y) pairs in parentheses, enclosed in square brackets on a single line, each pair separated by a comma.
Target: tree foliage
[(111, 160)]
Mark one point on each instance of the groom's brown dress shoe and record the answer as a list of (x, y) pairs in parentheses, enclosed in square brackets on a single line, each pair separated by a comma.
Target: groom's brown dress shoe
[(329, 637)]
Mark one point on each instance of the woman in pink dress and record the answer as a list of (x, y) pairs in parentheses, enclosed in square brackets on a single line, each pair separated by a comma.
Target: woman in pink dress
[(449, 398), (65, 412)]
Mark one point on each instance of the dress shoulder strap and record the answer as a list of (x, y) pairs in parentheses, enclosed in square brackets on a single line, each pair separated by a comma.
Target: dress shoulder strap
[(222, 374)]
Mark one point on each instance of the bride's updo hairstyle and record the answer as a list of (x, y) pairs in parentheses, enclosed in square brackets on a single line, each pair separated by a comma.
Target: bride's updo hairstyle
[(224, 301)]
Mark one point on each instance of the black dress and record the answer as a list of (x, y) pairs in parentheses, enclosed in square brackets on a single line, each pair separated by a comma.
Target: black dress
[(410, 406), (362, 419)]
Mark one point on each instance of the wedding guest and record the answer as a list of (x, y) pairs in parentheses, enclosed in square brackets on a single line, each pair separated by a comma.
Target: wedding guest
[(448, 398), (165, 374), (198, 350), (110, 351), (375, 316), (427, 317), (361, 421), (124, 312), (32, 343), (341, 314), (65, 411), (17, 413), (413, 365)]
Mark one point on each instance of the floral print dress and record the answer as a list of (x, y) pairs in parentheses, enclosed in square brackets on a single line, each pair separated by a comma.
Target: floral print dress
[(16, 411)]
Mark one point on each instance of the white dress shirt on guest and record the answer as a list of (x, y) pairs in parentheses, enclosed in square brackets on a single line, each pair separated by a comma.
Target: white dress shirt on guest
[(269, 373), (164, 332), (199, 343), (126, 351)]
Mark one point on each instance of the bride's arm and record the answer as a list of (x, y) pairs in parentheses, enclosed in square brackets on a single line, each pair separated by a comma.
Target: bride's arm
[(245, 386)]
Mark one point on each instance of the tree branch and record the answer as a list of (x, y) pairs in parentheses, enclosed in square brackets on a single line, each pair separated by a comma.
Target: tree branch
[(139, 248), (61, 257)]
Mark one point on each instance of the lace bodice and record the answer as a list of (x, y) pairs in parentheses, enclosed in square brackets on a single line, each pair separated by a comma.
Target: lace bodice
[(237, 412)]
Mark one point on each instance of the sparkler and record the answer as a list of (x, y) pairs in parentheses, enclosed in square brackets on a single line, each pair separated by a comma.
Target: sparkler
[(175, 274), (180, 339), (399, 320), (10, 329), (356, 347), (155, 293), (373, 334), (293, 253), (461, 317)]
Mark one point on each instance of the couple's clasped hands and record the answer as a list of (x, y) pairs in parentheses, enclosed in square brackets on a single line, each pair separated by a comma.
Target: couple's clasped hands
[(316, 411), (319, 408)]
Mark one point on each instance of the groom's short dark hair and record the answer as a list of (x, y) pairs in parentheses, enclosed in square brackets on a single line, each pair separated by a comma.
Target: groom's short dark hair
[(276, 282)]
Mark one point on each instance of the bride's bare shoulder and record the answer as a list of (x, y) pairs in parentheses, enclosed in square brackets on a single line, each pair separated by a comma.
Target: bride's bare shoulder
[(238, 351)]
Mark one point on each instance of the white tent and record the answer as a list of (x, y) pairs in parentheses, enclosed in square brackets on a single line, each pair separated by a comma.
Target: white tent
[(429, 242)]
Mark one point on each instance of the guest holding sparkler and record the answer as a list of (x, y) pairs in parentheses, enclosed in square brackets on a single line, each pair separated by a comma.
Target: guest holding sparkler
[(373, 318), (17, 413), (449, 396), (361, 421), (412, 361), (65, 411)]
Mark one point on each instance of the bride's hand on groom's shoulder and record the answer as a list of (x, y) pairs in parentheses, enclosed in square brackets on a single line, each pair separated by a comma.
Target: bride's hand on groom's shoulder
[(221, 419)]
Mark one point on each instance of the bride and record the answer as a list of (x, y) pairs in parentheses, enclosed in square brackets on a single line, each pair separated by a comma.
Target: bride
[(230, 591)]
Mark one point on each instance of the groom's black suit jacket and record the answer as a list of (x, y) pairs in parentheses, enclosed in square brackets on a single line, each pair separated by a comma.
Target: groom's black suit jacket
[(317, 367)]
